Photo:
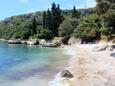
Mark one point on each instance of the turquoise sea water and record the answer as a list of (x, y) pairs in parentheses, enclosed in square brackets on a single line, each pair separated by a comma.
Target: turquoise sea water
[(23, 65)]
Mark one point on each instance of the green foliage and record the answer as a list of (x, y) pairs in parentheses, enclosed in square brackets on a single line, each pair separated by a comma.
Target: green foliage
[(104, 30), (75, 13), (57, 18), (88, 24), (108, 15), (88, 28), (45, 34), (66, 29), (102, 7)]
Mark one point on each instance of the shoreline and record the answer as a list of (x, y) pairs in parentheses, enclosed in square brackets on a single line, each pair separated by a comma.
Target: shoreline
[(89, 67)]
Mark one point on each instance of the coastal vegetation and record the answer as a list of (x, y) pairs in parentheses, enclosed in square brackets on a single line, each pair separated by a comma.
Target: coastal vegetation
[(86, 24)]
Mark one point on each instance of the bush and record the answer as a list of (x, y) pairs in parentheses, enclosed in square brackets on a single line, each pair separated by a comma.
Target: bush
[(88, 28), (65, 30), (45, 34)]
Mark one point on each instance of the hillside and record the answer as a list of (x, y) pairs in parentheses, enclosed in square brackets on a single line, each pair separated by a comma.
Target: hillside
[(88, 25)]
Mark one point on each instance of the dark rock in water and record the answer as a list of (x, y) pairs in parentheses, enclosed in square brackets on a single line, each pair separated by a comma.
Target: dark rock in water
[(66, 74)]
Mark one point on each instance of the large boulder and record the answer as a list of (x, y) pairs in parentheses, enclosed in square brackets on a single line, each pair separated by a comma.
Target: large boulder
[(66, 74), (42, 42), (32, 42), (73, 41), (57, 40)]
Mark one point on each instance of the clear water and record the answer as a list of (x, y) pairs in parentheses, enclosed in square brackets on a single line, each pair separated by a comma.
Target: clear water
[(23, 65)]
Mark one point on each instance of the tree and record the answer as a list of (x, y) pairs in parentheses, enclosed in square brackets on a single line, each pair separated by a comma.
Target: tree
[(75, 13), (75, 17), (106, 10), (49, 20), (88, 29), (65, 30), (44, 19), (34, 26), (56, 18)]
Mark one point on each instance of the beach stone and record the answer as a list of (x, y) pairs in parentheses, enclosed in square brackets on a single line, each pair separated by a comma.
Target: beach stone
[(66, 74)]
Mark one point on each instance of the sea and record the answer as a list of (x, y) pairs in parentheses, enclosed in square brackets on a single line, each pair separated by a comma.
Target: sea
[(25, 65)]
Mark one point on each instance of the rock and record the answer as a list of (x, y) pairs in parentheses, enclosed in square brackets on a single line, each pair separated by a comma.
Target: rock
[(73, 40), (49, 45), (100, 48), (12, 41), (66, 74), (57, 40), (23, 42), (42, 42), (110, 48), (45, 43), (113, 54), (32, 42), (113, 46)]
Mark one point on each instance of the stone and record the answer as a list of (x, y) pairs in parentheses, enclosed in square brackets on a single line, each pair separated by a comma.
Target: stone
[(100, 48), (66, 74), (12, 41), (73, 41), (42, 42)]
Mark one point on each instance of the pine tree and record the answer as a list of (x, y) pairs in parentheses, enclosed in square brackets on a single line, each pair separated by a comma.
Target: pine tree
[(49, 20), (34, 26), (44, 19), (75, 13), (56, 18)]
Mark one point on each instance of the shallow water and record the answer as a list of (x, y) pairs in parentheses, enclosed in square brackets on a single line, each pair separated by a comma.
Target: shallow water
[(23, 65)]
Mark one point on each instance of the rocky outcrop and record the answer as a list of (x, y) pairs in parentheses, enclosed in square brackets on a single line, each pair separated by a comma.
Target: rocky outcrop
[(104, 47), (42, 42), (57, 40), (49, 45), (12, 41), (32, 42), (45, 43), (100, 48), (73, 40)]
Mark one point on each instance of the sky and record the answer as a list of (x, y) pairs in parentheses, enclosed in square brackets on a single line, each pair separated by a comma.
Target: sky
[(16, 7)]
